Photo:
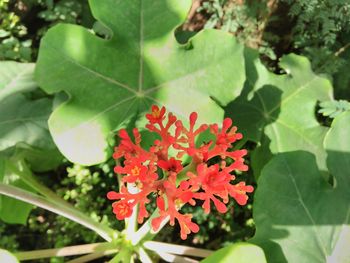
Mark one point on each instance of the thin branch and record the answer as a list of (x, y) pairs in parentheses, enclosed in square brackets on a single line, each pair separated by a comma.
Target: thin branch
[(341, 50), (93, 256), (177, 249), (65, 251), (69, 213)]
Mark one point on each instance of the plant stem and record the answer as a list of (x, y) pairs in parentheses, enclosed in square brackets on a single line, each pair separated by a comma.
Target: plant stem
[(72, 214), (66, 251), (131, 222), (174, 258), (144, 257), (177, 249), (145, 231), (341, 50), (92, 256), (21, 169), (124, 256), (87, 258)]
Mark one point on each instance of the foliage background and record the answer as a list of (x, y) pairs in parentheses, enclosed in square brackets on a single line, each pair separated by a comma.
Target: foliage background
[(318, 30)]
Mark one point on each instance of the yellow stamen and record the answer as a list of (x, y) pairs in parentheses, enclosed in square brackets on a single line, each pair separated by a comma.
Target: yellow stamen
[(156, 113), (136, 171)]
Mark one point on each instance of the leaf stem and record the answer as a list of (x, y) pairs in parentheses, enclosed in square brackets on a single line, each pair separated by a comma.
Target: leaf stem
[(20, 168), (144, 257), (72, 214), (103, 247), (145, 231), (177, 249), (93, 256), (175, 258)]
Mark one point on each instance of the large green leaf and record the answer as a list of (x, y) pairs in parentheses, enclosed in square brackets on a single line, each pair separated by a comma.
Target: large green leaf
[(278, 111), (298, 215), (24, 135), (16, 77), (237, 253), (109, 81), (23, 121)]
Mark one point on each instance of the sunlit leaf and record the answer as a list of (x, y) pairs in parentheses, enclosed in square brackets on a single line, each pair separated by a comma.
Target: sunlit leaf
[(299, 216), (279, 111), (16, 77), (109, 81)]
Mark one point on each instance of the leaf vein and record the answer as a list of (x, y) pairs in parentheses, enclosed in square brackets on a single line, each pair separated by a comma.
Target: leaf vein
[(321, 246), (141, 73), (284, 100), (93, 72)]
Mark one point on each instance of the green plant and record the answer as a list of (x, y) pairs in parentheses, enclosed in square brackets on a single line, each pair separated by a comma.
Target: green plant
[(287, 189), (16, 16), (334, 108), (301, 164), (11, 31), (320, 31), (245, 19)]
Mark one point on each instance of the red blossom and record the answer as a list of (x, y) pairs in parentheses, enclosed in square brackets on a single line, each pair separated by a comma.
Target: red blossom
[(157, 115), (178, 184), (172, 165), (122, 210)]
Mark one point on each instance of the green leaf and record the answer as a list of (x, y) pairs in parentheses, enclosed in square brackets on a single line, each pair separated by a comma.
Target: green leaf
[(16, 77), (110, 81), (39, 159), (278, 111), (299, 216), (24, 131), (11, 210), (23, 120), (237, 253), (24, 135), (6, 256)]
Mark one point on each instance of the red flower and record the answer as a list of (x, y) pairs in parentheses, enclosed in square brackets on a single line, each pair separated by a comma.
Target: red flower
[(172, 165), (238, 192), (177, 185), (134, 172), (122, 210), (157, 115)]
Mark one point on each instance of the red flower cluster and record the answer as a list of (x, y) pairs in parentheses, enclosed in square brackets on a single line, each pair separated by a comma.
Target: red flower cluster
[(155, 172)]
